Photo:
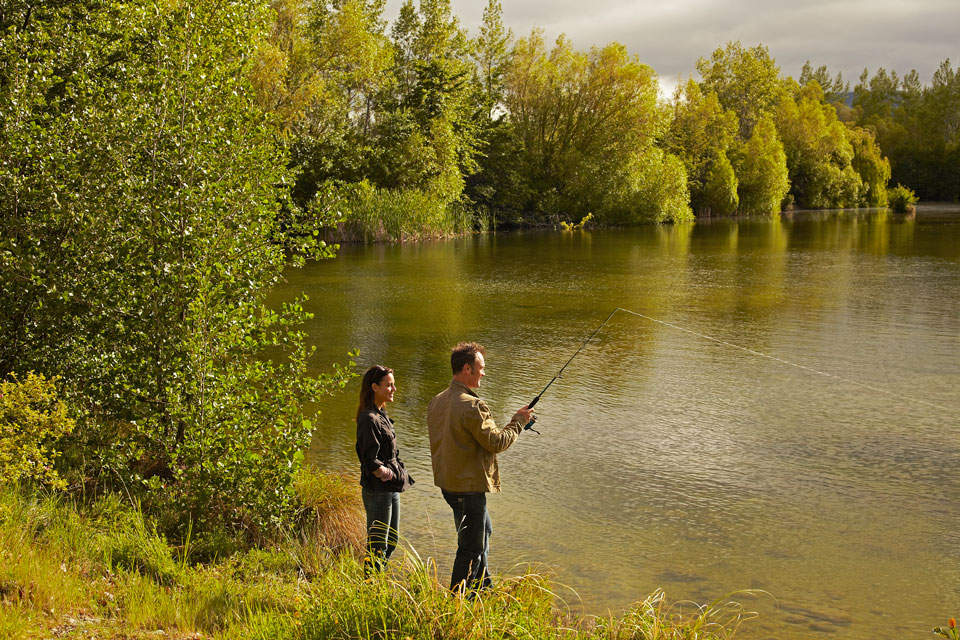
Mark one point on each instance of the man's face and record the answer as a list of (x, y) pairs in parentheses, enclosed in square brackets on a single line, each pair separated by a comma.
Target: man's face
[(475, 372)]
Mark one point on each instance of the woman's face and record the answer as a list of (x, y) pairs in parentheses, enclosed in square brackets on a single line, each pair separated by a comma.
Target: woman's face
[(383, 392)]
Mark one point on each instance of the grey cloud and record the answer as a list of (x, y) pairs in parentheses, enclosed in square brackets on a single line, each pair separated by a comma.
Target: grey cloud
[(845, 35)]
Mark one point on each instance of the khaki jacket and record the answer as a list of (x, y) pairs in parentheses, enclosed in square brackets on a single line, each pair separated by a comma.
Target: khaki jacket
[(465, 441)]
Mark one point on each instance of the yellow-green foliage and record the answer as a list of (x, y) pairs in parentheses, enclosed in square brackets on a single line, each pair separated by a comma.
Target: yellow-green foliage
[(409, 601), (569, 226), (902, 199), (32, 418)]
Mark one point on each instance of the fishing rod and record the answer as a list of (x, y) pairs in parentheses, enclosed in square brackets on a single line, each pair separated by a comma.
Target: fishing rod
[(529, 425)]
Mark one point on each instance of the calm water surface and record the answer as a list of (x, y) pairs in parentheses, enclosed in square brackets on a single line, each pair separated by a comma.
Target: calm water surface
[(670, 461)]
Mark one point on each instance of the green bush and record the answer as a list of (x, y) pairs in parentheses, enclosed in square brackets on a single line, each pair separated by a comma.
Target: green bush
[(901, 199), (32, 419), (365, 213)]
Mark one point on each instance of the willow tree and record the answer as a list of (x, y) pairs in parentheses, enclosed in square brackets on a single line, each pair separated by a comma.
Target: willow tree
[(746, 81), (818, 149), (586, 122), (701, 133), (761, 168)]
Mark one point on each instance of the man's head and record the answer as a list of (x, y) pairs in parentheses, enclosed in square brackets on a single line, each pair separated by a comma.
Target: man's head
[(468, 364)]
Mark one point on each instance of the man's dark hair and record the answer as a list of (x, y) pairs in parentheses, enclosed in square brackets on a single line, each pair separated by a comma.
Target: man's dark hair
[(465, 353)]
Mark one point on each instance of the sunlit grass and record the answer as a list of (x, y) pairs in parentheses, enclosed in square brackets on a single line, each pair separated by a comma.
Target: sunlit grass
[(104, 569)]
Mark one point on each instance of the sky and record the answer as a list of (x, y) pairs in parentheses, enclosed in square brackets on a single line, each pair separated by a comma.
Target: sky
[(671, 35)]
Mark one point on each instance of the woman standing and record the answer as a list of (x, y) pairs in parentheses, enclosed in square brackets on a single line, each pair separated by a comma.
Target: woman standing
[(382, 474)]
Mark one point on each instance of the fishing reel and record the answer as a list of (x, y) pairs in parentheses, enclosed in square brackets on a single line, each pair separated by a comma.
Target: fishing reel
[(529, 425)]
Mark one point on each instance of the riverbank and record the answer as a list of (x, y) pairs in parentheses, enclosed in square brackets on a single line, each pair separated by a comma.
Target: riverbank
[(101, 570)]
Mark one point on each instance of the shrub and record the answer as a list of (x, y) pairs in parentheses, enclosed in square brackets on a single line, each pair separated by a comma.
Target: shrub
[(32, 419), (901, 199)]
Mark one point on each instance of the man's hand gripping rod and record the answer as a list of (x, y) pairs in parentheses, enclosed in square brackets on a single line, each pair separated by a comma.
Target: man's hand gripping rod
[(529, 425)]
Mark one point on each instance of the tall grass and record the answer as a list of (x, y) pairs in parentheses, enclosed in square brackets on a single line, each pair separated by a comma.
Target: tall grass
[(371, 214), (330, 520), (103, 566), (410, 602)]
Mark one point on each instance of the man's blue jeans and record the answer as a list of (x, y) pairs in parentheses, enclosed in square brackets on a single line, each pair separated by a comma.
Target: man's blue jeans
[(383, 524), (473, 540)]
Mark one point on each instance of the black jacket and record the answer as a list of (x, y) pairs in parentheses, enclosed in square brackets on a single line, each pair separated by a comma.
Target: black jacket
[(377, 447)]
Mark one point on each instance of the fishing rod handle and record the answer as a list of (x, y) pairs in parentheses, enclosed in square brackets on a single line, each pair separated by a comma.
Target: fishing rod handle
[(529, 425)]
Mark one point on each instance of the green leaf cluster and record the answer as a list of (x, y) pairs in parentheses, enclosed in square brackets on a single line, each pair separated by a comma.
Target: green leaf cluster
[(901, 198), (33, 419)]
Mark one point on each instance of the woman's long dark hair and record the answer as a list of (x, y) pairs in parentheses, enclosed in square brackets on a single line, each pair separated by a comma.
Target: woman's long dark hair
[(374, 375)]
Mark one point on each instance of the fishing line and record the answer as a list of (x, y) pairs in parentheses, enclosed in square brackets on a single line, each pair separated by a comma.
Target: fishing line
[(747, 350)]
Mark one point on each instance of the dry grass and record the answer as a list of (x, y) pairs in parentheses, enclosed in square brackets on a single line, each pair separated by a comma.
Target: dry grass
[(331, 520)]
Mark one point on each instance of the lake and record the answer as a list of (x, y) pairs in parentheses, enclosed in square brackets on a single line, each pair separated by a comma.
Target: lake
[(827, 474)]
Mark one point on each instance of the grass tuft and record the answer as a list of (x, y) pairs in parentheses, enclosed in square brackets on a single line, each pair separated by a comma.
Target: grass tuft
[(331, 519)]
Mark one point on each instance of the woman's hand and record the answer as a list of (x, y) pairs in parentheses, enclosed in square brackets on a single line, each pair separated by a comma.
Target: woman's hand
[(384, 474)]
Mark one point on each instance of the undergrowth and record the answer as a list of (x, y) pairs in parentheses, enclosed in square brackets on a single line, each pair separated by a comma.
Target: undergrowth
[(101, 569)]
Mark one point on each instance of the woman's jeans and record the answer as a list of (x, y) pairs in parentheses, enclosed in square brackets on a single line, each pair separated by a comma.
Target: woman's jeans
[(383, 525), (473, 540)]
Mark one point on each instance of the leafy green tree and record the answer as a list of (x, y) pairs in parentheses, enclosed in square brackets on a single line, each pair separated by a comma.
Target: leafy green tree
[(403, 34), (916, 127), (140, 230), (871, 165), (746, 80), (427, 136), (818, 151), (720, 190), (700, 134), (877, 97), (760, 165), (658, 192), (835, 90), (585, 121), (491, 51), (322, 71)]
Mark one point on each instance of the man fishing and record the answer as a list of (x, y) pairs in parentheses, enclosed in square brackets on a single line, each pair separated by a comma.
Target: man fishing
[(464, 443)]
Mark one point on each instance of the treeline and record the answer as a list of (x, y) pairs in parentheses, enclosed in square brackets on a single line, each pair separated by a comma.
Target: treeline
[(421, 116), (917, 126)]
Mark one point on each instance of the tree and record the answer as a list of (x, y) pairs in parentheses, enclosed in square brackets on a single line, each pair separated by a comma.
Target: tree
[(818, 151), (700, 134), (871, 165), (322, 71), (760, 165), (916, 127), (427, 135), (403, 35), (877, 97), (584, 121), (140, 230), (491, 55), (746, 81), (835, 90), (720, 190)]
